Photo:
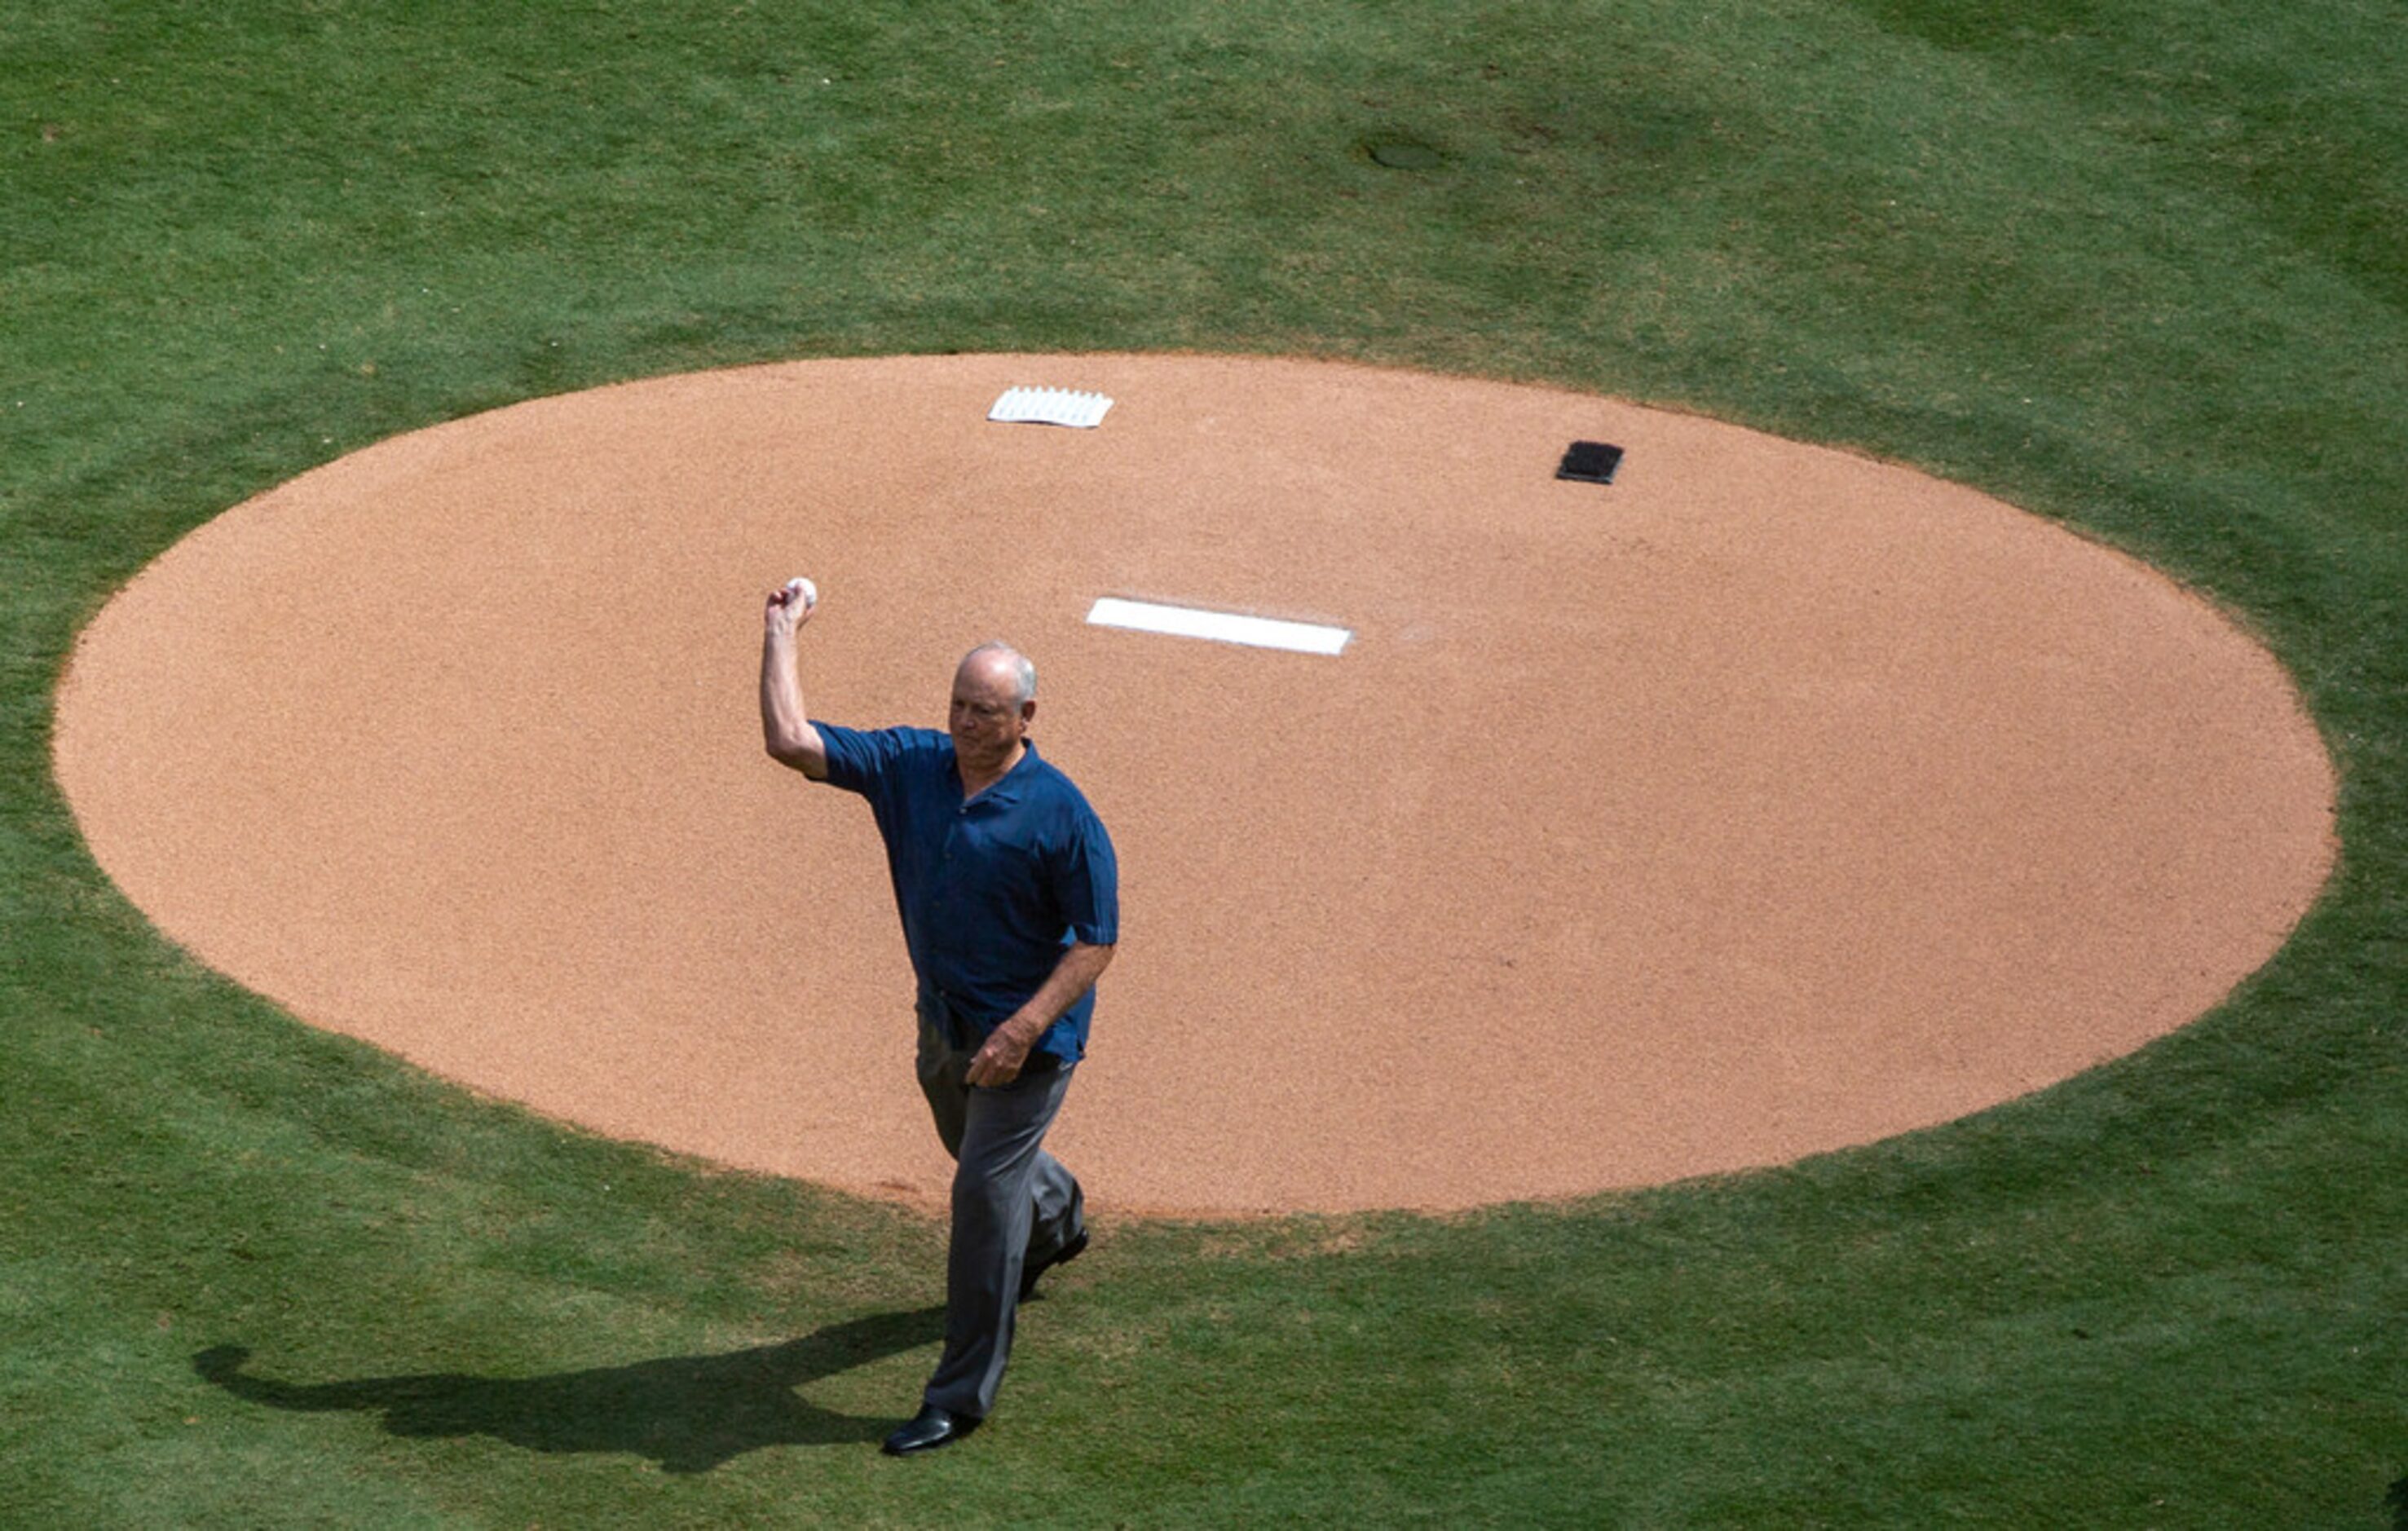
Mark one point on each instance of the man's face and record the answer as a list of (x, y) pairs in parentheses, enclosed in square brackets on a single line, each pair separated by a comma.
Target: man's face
[(987, 719)]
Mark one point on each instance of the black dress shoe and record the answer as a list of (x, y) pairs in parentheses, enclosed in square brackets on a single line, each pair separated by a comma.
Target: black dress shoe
[(1063, 1256), (930, 1428)]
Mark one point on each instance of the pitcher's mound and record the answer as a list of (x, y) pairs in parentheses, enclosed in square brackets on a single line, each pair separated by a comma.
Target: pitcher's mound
[(1766, 800)]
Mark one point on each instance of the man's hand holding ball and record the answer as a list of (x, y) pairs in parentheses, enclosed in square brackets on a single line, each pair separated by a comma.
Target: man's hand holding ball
[(792, 604)]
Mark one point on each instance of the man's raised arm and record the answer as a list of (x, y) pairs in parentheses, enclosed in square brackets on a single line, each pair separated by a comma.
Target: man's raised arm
[(786, 731)]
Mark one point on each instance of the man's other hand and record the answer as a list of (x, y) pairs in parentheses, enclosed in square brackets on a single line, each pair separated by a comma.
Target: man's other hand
[(998, 1063)]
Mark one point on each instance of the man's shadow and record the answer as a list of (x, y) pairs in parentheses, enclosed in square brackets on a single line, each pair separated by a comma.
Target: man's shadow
[(689, 1414)]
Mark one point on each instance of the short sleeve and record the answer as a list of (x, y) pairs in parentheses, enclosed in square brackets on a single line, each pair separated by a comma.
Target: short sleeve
[(1088, 883), (857, 759)]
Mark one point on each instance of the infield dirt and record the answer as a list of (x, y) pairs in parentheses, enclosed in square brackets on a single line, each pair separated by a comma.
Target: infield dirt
[(1769, 800)]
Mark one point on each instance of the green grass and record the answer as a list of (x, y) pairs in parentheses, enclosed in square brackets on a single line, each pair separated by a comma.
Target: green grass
[(2139, 269)]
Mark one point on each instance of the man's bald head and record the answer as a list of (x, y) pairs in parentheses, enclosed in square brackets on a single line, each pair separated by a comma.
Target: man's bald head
[(1002, 660), (995, 696)]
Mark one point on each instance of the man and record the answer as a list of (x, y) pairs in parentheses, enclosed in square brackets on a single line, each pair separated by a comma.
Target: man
[(1010, 898)]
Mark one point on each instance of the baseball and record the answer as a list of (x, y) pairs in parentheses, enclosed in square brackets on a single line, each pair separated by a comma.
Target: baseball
[(809, 592)]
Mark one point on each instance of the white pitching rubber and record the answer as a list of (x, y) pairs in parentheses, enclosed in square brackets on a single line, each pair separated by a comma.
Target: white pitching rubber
[(1221, 626)]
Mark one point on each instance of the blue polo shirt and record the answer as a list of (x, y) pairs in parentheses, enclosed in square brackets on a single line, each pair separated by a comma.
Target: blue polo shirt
[(991, 890)]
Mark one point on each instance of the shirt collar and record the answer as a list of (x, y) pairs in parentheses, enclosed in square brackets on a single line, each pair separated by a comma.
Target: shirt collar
[(1006, 788)]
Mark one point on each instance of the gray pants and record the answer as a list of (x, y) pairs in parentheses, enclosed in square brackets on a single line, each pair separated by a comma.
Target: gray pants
[(1012, 1202)]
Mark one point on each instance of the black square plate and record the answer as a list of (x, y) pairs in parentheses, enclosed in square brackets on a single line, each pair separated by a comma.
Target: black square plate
[(1590, 462)]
